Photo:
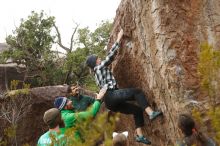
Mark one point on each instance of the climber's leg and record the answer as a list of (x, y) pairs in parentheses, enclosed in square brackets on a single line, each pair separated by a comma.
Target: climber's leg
[(115, 97)]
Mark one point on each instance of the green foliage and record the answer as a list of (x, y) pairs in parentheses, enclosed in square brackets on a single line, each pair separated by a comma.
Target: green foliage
[(31, 40), (13, 86), (75, 61), (95, 42), (13, 109), (89, 43), (90, 84), (91, 130), (214, 115), (30, 45), (10, 132), (3, 143), (26, 144), (100, 37), (208, 68), (197, 115)]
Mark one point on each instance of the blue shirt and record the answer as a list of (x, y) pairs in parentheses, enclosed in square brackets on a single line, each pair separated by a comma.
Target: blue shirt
[(58, 138)]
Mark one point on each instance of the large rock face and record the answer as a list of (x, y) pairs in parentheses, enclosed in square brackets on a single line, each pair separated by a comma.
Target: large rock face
[(160, 55), (9, 72)]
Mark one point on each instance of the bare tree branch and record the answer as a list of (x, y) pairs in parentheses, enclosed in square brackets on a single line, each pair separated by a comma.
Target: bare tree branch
[(59, 39), (72, 37), (14, 108)]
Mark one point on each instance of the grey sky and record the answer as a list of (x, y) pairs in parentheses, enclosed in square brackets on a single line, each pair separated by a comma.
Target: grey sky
[(85, 12)]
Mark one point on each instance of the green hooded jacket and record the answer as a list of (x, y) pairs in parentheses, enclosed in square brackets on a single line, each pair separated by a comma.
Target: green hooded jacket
[(71, 118)]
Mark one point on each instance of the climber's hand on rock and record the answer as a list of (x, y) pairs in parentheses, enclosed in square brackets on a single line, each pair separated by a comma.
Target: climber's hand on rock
[(101, 93), (120, 35)]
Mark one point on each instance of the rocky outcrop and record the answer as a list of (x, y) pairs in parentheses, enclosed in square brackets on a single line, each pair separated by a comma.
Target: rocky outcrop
[(29, 105), (159, 54), (10, 72)]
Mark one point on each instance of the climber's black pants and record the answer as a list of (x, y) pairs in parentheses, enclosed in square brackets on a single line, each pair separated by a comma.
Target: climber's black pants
[(117, 101)]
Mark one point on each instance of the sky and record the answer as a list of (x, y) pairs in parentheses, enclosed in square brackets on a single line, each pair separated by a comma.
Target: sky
[(84, 12)]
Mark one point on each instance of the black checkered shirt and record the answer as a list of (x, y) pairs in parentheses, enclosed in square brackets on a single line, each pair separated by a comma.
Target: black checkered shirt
[(103, 75)]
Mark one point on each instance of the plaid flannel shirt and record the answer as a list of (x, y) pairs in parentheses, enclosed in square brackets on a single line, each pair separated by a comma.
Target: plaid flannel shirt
[(103, 75)]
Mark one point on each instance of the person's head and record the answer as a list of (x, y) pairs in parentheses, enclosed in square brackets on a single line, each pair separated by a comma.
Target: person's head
[(52, 118), (63, 103), (120, 139), (186, 124), (92, 61), (188, 127), (74, 90)]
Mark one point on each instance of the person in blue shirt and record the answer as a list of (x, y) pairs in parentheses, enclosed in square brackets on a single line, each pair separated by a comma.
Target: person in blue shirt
[(52, 118)]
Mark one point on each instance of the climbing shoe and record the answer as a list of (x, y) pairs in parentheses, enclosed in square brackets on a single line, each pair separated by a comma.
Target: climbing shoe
[(142, 139), (155, 114)]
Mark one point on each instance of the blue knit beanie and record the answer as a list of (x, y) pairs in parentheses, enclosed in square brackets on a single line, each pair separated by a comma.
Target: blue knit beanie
[(91, 61), (60, 102)]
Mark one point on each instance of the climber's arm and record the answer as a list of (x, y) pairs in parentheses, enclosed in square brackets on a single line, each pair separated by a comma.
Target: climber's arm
[(110, 57)]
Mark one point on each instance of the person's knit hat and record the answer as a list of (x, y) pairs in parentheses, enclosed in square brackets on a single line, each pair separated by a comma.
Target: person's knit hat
[(60, 102), (50, 115), (91, 60)]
